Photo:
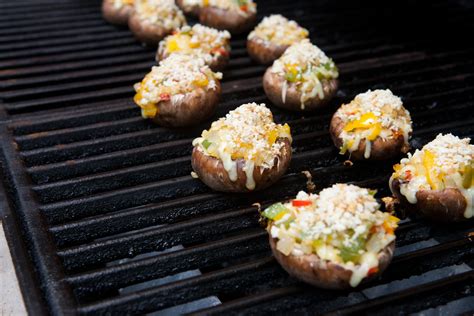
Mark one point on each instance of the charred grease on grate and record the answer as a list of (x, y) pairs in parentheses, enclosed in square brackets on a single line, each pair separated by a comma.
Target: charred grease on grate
[(100, 193)]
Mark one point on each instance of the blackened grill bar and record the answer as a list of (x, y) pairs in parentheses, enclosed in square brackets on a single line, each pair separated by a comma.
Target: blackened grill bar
[(95, 193)]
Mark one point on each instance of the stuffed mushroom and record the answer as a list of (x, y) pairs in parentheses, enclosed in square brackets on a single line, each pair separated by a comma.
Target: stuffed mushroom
[(333, 240), (152, 20), (243, 151), (236, 16), (302, 79), (181, 91), (375, 125), (437, 181), (191, 7), (117, 11), (198, 41), (269, 40)]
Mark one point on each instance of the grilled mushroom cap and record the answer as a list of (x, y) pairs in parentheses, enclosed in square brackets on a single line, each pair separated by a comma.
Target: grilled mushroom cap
[(116, 16), (212, 172), (230, 20), (381, 149), (447, 205), (264, 52), (273, 86), (322, 273), (195, 107)]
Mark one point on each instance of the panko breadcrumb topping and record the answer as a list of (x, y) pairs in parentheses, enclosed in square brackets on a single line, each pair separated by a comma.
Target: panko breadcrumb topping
[(247, 133), (242, 6), (121, 3), (445, 162), (373, 114), (200, 41), (343, 224), (450, 152), (279, 30), (174, 77), (160, 12), (306, 66)]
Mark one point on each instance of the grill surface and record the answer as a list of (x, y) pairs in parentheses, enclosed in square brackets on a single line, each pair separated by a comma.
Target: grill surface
[(88, 185)]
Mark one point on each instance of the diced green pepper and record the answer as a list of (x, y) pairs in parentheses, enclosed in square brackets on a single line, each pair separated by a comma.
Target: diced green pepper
[(372, 192), (273, 210), (351, 252), (206, 143), (343, 149), (291, 77), (467, 179)]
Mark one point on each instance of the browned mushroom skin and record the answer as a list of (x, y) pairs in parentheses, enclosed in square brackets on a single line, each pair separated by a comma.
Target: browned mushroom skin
[(229, 20), (273, 86), (195, 107), (211, 171), (322, 273), (116, 16), (263, 51), (146, 32), (380, 150), (191, 10), (447, 205), (217, 64)]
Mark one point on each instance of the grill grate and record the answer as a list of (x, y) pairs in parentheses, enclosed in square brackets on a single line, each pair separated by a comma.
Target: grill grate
[(99, 203)]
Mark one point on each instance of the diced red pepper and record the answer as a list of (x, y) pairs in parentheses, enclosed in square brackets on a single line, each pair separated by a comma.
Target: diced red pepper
[(298, 203), (219, 50), (243, 8), (165, 96), (408, 175), (373, 271)]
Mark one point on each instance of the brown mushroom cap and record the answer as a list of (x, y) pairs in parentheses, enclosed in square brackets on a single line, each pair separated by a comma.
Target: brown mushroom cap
[(211, 171), (381, 149), (447, 205), (273, 86), (263, 51), (114, 15), (217, 64), (322, 273), (146, 32), (230, 20), (191, 10), (195, 107)]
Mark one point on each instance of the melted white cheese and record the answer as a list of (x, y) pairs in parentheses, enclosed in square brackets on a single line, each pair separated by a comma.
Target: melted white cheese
[(368, 147), (229, 165), (248, 169), (469, 195), (368, 261)]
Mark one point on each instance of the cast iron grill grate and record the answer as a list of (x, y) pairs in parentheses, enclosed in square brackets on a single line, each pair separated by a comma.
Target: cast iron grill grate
[(100, 202)]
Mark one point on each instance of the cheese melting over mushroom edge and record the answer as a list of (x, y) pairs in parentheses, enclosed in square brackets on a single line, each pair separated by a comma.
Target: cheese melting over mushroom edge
[(373, 114), (307, 67), (175, 76), (246, 133), (445, 162), (343, 225)]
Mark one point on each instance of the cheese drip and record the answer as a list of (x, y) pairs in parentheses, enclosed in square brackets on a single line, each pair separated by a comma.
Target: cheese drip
[(446, 162), (246, 137)]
